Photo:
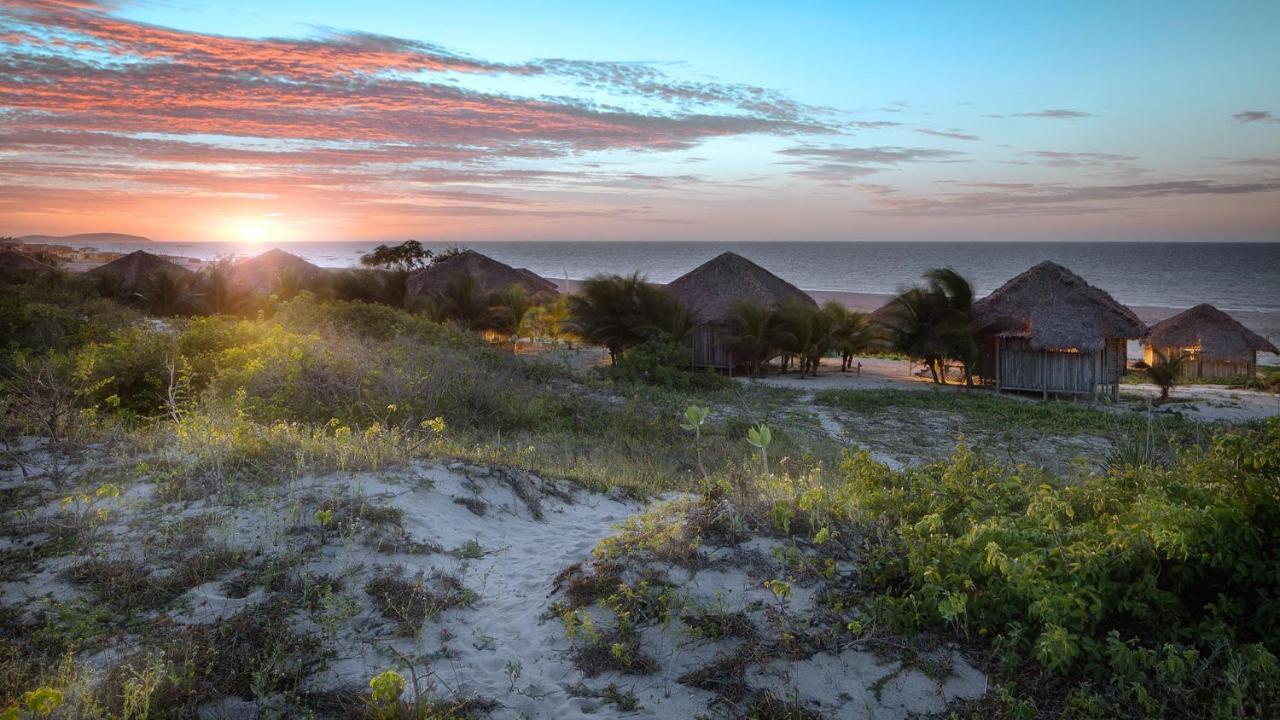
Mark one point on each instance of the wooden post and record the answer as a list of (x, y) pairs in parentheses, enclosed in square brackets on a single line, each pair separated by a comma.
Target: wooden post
[(999, 344), (1044, 375)]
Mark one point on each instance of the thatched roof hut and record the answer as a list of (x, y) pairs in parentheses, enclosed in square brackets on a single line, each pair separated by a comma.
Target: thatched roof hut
[(1055, 309), (710, 292), (16, 266), (712, 289), (1050, 331), (1214, 343), (489, 274), (263, 273), (132, 272)]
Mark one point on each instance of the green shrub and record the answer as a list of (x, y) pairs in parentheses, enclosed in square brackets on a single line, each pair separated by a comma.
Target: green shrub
[(1156, 590), (664, 362)]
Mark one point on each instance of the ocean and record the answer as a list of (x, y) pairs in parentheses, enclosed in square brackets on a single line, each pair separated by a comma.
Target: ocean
[(1233, 276)]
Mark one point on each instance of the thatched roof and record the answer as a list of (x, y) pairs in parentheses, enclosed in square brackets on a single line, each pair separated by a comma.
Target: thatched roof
[(1057, 310), (14, 264), (710, 290), (134, 270), (490, 275), (1217, 335), (263, 272)]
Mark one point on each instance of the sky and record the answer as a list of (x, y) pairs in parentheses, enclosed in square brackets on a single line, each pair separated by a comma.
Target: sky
[(376, 120)]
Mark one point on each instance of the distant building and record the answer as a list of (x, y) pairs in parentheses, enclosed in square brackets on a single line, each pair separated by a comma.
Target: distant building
[(1049, 331), (1214, 344), (710, 292), (490, 276), (132, 273)]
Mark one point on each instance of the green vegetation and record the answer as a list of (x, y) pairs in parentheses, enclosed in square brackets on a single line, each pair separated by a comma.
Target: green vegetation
[(1146, 586), (1140, 592), (798, 331), (988, 412)]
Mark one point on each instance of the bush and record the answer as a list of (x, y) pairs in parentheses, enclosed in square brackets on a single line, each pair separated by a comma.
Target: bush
[(1156, 591), (663, 362)]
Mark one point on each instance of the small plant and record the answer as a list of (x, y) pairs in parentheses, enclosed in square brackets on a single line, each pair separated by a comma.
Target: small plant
[(759, 437), (41, 702), (514, 668), (86, 515), (781, 589), (386, 690), (1165, 371), (695, 417), (471, 550), (323, 518)]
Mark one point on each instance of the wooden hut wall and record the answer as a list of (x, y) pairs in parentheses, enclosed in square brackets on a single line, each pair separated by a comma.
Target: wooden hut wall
[(1196, 368), (709, 347), (1022, 368)]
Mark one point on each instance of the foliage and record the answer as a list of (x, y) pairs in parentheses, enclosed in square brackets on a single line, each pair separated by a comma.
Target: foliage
[(405, 257), (621, 312), (760, 437), (1155, 590), (1166, 370), (753, 333), (934, 323)]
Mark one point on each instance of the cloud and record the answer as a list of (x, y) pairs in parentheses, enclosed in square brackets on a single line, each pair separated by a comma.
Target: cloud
[(99, 102), (1058, 114), (875, 124), (943, 134), (1251, 116), (837, 165), (1265, 162), (1059, 159), (1050, 199)]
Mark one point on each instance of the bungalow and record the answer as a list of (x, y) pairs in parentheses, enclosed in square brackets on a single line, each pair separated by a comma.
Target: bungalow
[(1049, 331)]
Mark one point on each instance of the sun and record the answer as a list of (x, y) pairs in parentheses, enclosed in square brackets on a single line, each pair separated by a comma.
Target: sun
[(252, 233)]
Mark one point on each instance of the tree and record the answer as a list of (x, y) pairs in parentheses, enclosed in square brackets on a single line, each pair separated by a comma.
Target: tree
[(465, 303), (753, 331), (620, 312), (512, 310), (165, 293), (934, 323), (851, 332), (405, 257), (551, 318), (1166, 371), (806, 332), (215, 284)]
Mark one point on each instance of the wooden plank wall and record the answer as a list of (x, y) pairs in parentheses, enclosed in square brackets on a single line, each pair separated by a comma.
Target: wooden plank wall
[(1204, 368)]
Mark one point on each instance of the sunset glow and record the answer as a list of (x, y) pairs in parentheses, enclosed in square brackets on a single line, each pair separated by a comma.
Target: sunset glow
[(439, 123)]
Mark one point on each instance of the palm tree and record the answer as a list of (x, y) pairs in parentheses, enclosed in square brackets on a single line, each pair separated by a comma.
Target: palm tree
[(1166, 371), (219, 296), (165, 294), (620, 312), (806, 332), (753, 331), (552, 318), (851, 332), (465, 303), (955, 323), (512, 310), (935, 323)]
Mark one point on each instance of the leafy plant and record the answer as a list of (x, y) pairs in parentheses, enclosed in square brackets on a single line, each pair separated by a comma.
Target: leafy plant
[(695, 417), (760, 437), (1166, 371)]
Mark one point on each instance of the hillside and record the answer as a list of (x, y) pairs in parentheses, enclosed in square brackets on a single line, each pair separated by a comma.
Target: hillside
[(81, 238)]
